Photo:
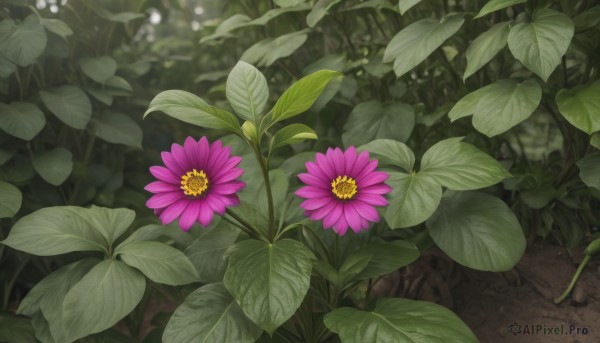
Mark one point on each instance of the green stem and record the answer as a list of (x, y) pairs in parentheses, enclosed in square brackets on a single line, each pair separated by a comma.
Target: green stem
[(586, 259), (246, 226), (263, 167), (86, 161), (8, 284)]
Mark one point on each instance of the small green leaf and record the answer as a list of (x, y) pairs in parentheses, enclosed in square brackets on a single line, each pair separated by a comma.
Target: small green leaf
[(390, 152), (268, 281), (587, 19), (405, 5), (236, 21), (302, 94), (250, 132), (288, 3), (387, 257), (485, 47), (54, 166), (499, 106), (371, 120), (295, 6), (207, 252), (477, 230), (589, 170), (191, 109), (319, 11), (22, 44), (292, 134), (247, 91), (210, 314), (101, 298), (494, 5), (581, 106), (399, 320), (414, 198), (418, 40), (110, 222), (11, 199), (540, 45), (57, 26), (267, 51), (595, 140), (69, 104), (99, 69), (21, 119), (119, 128), (159, 262), (461, 166)]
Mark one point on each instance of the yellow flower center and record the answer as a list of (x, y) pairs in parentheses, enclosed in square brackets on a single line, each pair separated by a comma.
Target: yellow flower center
[(194, 183), (343, 187)]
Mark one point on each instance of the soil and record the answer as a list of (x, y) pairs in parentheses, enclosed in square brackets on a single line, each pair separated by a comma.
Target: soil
[(490, 303)]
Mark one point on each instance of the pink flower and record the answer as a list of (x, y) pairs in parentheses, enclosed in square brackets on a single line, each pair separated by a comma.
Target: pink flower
[(198, 180), (342, 189)]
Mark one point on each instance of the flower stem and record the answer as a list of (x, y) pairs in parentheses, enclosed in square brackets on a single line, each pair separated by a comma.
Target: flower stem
[(586, 259), (265, 172)]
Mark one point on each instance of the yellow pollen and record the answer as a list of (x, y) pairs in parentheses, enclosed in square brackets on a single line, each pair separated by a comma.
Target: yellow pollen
[(194, 183), (344, 187)]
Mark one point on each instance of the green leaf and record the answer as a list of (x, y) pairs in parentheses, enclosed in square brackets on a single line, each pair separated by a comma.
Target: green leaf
[(292, 134), (11, 199), (595, 140), (119, 128), (418, 40), (302, 94), (110, 222), (159, 262), (499, 106), (589, 170), (21, 119), (319, 11), (58, 27), (69, 104), (236, 21), (54, 166), (371, 120), (207, 252), (288, 3), (539, 45), (15, 329), (390, 152), (267, 51), (580, 106), (405, 5), (191, 109), (247, 91), (494, 5), (485, 47), (99, 69), (539, 197), (587, 19), (22, 44), (6, 67), (210, 314), (54, 231), (399, 320), (477, 230), (119, 83), (268, 281), (387, 257), (101, 298), (461, 166), (294, 6), (413, 200)]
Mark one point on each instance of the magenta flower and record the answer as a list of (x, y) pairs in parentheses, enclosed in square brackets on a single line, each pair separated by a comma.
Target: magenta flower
[(198, 180), (343, 189)]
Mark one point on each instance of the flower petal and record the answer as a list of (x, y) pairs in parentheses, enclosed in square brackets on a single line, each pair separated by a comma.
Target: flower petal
[(206, 214), (316, 203), (309, 192), (315, 170), (229, 176), (229, 187), (338, 160), (160, 187), (203, 150), (372, 179), (191, 152), (369, 168), (373, 199), (326, 166), (230, 200), (229, 165), (173, 211), (321, 212), (349, 160), (165, 174), (164, 199), (217, 161), (375, 189), (313, 180), (332, 217), (361, 162), (341, 226), (216, 203), (352, 217), (190, 214), (366, 211), (170, 163), (179, 155)]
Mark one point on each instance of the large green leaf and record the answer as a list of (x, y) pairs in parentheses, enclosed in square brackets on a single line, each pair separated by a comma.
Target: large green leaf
[(319, 11), (291, 134), (268, 281), (22, 44), (54, 166), (119, 128), (581, 106), (159, 262), (54, 231), (499, 106), (595, 140), (405, 5), (21, 119), (302, 94), (418, 40), (207, 252), (390, 152), (110, 222), (101, 298), (413, 200), (540, 45), (477, 230), (57, 26), (387, 257), (69, 104), (99, 69), (399, 320), (485, 47), (15, 329), (210, 314), (247, 91), (267, 51), (589, 170), (191, 109), (461, 166), (494, 5), (11, 199), (371, 120)]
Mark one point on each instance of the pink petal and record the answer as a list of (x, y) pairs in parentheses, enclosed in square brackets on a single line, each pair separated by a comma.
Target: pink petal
[(229, 187), (230, 200), (172, 212), (361, 162), (325, 166), (190, 214), (308, 192), (372, 179), (165, 174), (376, 189), (191, 152), (334, 215), (229, 165), (179, 155), (170, 163), (352, 217), (160, 187), (203, 150), (349, 160), (316, 203), (372, 199), (216, 162), (338, 160), (369, 168), (164, 199), (313, 169), (229, 176), (366, 211), (364, 224), (312, 180), (341, 226), (320, 213), (206, 215), (216, 203)]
